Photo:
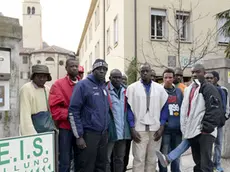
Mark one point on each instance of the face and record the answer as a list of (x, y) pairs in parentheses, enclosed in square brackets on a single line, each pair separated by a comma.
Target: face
[(116, 78), (153, 75), (100, 73), (146, 73), (215, 80), (40, 79), (168, 79), (178, 77), (72, 68), (124, 80), (209, 77), (198, 73)]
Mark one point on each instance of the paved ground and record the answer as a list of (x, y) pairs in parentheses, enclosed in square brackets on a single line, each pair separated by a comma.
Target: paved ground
[(187, 163)]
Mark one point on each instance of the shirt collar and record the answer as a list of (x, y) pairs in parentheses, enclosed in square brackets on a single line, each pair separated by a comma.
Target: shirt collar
[(146, 84), (71, 82), (35, 86), (113, 88)]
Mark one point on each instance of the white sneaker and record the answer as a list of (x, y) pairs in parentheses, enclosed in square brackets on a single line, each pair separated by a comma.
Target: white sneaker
[(162, 158)]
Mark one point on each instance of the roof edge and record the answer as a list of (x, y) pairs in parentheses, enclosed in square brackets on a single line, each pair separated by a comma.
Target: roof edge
[(89, 16)]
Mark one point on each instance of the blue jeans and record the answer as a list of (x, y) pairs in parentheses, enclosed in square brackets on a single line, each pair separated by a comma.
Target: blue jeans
[(169, 142), (179, 150), (218, 148), (67, 145)]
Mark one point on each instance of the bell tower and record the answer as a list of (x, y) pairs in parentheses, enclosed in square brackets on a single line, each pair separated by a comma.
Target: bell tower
[(32, 24)]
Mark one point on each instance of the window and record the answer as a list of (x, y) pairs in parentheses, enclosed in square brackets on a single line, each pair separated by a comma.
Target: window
[(49, 59), (158, 23), (86, 43), (97, 17), (25, 60), (61, 62), (90, 32), (28, 10), (107, 4), (90, 61), (38, 61), (182, 23), (222, 38), (33, 10), (24, 75), (171, 61), (115, 22), (97, 50), (108, 40)]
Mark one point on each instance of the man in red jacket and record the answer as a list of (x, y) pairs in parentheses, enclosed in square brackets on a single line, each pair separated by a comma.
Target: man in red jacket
[(59, 100)]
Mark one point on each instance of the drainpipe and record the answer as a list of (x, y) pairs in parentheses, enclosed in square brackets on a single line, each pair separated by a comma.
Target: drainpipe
[(104, 30), (135, 33)]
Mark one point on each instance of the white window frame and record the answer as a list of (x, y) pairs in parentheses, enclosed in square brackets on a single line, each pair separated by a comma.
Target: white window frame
[(108, 40), (90, 33), (97, 50), (183, 25), (97, 17), (107, 4), (86, 67), (116, 32), (221, 38), (90, 61), (158, 13)]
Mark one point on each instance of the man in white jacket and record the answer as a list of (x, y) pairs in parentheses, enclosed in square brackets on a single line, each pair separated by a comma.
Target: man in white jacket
[(148, 113), (201, 113)]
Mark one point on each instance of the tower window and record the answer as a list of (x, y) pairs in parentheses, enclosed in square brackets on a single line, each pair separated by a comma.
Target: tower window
[(33, 10), (28, 10), (50, 59)]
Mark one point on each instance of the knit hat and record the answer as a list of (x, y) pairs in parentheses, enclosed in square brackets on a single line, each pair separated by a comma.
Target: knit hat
[(216, 75), (36, 69), (99, 63)]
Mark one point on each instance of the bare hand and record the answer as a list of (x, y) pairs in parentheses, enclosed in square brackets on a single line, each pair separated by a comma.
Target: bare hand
[(135, 135), (81, 143), (158, 133)]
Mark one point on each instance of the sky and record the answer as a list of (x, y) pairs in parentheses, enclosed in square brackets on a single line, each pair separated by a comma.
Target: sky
[(62, 20)]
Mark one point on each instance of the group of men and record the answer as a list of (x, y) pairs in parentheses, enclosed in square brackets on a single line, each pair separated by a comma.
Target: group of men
[(97, 119)]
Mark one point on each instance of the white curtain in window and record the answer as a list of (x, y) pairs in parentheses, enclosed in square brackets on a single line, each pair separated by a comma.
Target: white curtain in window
[(221, 37)]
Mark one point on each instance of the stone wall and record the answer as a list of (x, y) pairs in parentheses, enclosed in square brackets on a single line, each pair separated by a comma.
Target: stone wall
[(223, 67), (10, 35)]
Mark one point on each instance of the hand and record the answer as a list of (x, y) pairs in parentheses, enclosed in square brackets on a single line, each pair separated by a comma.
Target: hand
[(135, 135), (81, 143), (158, 133)]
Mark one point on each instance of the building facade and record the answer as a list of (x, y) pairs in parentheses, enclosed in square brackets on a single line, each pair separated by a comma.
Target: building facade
[(34, 50), (164, 33)]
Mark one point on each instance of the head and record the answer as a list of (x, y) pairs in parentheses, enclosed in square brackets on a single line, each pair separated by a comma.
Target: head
[(40, 75), (116, 78), (124, 79), (168, 77), (153, 75), (71, 67), (145, 72), (198, 72), (178, 76), (100, 68), (80, 71), (209, 77), (216, 77)]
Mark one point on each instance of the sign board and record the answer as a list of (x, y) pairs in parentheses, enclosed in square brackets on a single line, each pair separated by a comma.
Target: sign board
[(34, 153)]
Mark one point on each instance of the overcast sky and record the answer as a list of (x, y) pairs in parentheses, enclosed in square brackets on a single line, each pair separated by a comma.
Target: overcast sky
[(62, 20)]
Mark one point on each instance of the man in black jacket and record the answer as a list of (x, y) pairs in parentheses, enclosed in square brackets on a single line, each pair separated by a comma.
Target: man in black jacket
[(201, 112)]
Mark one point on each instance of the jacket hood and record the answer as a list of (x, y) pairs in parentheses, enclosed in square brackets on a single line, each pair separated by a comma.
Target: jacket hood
[(92, 78)]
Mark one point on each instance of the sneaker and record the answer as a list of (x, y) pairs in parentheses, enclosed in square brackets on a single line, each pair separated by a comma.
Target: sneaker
[(162, 158)]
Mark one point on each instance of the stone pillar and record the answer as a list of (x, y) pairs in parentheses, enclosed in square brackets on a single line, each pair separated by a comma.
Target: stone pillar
[(223, 67), (10, 35)]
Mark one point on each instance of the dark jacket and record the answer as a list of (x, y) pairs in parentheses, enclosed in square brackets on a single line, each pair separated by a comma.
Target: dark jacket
[(89, 107), (213, 107)]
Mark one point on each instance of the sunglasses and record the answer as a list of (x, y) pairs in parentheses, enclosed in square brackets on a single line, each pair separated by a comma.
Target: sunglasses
[(209, 78)]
